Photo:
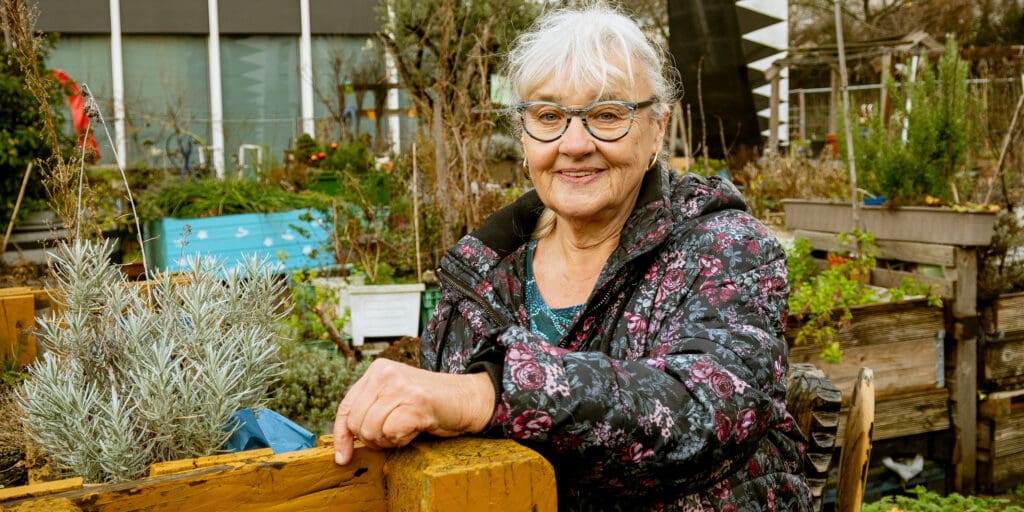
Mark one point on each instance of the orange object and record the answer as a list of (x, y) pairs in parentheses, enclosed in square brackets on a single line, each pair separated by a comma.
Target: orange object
[(833, 142)]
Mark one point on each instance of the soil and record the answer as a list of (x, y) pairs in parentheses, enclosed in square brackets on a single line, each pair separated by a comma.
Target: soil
[(13, 470), (405, 350)]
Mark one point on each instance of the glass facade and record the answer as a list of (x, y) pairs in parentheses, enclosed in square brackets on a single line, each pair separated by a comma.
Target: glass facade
[(166, 99), (167, 93), (260, 84)]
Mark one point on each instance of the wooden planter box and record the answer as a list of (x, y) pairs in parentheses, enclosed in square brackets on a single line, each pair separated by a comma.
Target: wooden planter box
[(462, 474), (910, 223), (288, 238), (1002, 343), (902, 343), (1001, 443)]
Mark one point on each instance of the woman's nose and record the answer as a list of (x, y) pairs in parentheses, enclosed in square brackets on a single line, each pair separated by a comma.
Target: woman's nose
[(576, 140)]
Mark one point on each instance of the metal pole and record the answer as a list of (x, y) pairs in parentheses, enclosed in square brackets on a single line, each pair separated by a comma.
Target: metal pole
[(216, 94), (306, 69), (844, 87), (117, 77)]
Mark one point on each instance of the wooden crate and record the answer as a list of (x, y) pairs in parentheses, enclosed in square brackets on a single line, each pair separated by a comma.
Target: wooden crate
[(1001, 442), (899, 341), (1002, 347)]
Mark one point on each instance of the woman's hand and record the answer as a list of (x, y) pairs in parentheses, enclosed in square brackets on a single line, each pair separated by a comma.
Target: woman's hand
[(393, 402)]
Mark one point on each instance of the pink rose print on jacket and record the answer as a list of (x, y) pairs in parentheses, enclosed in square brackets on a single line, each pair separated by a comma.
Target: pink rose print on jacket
[(635, 324), (635, 452), (746, 421), (721, 384), (530, 423), (701, 370), (528, 376), (722, 426)]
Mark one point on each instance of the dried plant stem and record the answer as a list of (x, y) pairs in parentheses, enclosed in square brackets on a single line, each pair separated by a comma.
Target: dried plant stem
[(94, 110), (17, 206), (339, 341)]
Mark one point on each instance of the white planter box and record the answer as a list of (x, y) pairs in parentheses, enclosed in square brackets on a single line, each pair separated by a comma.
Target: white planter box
[(384, 310)]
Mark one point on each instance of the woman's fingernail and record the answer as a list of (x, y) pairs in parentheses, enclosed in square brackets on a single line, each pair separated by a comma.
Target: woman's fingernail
[(338, 460)]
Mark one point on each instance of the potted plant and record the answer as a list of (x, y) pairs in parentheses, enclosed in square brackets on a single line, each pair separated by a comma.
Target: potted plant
[(916, 159)]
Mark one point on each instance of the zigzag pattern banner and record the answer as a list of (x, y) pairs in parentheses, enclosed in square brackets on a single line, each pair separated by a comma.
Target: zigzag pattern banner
[(764, 28)]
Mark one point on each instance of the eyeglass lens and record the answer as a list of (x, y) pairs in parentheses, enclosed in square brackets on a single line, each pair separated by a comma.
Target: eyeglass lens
[(605, 121)]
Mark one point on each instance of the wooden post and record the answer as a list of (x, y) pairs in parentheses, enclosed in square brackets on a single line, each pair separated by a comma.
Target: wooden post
[(833, 103), (773, 124), (883, 100), (803, 114), (965, 391), (853, 463)]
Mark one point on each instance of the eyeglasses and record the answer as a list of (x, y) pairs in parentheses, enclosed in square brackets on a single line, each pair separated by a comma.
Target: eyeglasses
[(607, 121)]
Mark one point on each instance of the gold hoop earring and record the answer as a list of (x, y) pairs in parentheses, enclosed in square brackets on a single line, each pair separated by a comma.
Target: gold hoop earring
[(654, 161), (526, 169)]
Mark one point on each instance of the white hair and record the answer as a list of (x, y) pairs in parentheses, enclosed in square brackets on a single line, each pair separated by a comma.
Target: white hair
[(580, 47)]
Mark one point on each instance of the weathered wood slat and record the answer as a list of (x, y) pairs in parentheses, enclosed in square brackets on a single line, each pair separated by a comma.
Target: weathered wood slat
[(940, 286), (1001, 437), (907, 415), (1002, 474), (900, 367), (180, 466), (931, 254), (41, 489), (240, 486), (1010, 313), (1004, 357), (17, 321), (879, 324)]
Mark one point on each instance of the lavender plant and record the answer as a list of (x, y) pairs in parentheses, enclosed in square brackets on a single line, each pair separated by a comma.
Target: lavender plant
[(134, 376)]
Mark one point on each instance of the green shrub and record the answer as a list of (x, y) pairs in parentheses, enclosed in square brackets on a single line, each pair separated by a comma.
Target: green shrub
[(312, 384), (928, 501), (821, 301), (927, 167)]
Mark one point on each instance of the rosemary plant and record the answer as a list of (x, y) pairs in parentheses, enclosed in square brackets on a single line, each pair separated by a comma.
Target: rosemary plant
[(138, 375)]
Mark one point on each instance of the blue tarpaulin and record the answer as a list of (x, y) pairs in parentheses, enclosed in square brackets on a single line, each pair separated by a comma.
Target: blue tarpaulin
[(265, 428)]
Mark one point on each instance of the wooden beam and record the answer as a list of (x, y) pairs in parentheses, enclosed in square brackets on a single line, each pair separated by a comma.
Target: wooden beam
[(965, 406), (930, 254)]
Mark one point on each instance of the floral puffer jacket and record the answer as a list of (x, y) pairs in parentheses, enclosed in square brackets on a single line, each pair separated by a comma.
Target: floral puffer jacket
[(668, 390)]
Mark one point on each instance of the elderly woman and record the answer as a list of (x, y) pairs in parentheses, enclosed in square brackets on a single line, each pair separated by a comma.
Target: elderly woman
[(621, 319)]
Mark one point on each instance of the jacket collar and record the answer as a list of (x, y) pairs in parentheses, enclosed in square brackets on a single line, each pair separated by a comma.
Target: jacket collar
[(510, 227)]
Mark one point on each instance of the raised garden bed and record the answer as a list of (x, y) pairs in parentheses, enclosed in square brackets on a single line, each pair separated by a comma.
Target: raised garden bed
[(464, 474), (295, 239)]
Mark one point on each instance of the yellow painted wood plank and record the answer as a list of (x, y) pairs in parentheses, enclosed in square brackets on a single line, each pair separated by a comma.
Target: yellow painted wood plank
[(17, 321), (43, 489), (308, 477), (469, 475), (180, 466)]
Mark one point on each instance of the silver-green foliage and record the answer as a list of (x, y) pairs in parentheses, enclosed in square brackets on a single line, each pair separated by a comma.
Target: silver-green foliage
[(133, 377)]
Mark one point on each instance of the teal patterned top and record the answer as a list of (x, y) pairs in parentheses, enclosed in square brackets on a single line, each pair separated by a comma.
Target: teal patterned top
[(550, 324)]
